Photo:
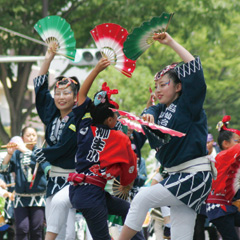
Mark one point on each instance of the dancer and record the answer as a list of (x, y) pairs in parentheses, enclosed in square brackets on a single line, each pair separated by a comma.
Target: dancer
[(181, 92), (202, 222), (220, 209), (103, 153), (56, 114), (162, 227), (29, 203)]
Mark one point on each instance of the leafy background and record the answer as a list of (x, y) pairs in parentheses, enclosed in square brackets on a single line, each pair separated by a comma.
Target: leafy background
[(208, 28)]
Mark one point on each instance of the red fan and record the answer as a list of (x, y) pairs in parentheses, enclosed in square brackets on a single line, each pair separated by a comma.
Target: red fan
[(132, 117), (109, 38), (132, 125)]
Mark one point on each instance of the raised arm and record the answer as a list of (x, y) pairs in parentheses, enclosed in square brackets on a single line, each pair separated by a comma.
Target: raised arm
[(165, 38), (8, 157), (102, 64), (49, 56)]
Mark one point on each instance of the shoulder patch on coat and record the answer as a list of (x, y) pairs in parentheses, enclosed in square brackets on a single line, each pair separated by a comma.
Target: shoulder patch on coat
[(72, 127)]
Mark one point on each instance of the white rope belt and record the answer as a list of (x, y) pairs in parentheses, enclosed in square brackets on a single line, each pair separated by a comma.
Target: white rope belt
[(192, 166), (60, 172), (31, 194)]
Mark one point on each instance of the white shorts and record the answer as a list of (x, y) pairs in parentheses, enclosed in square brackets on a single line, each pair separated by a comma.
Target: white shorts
[(60, 216), (182, 216)]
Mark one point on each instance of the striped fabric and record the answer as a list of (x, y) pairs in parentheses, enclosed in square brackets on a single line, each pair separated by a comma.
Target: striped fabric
[(190, 188)]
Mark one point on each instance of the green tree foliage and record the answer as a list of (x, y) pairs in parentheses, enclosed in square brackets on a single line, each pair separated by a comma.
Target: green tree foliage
[(208, 28)]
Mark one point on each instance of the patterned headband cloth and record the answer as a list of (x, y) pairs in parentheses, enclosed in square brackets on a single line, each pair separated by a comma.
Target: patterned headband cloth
[(101, 96), (223, 125), (160, 74), (69, 81)]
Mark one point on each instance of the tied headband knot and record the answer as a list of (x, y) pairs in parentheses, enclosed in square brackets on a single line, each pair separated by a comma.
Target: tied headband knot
[(68, 80), (160, 74), (101, 96), (223, 125)]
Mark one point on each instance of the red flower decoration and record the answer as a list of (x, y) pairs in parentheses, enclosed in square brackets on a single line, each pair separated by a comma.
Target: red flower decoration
[(109, 93)]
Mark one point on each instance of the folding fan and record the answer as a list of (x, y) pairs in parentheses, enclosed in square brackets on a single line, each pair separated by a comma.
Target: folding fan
[(55, 30), (142, 37), (153, 126), (120, 191), (131, 124), (109, 38)]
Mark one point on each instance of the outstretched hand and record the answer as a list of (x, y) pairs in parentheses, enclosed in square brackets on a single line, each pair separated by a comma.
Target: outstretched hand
[(163, 38), (148, 117), (102, 64), (51, 52), (49, 56)]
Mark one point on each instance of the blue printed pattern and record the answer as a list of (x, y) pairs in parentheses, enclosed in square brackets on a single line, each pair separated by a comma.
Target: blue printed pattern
[(30, 200), (39, 155), (40, 80), (165, 116), (55, 184), (190, 188), (215, 211), (189, 68)]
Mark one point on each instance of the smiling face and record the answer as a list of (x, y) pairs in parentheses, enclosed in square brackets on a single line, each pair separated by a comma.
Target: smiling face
[(166, 90), (64, 99)]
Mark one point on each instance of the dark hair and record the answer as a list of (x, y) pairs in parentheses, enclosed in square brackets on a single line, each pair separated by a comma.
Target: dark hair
[(75, 87), (224, 135), (101, 112), (173, 76), (25, 129)]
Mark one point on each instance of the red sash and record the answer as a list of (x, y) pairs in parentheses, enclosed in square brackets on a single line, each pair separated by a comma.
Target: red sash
[(82, 178)]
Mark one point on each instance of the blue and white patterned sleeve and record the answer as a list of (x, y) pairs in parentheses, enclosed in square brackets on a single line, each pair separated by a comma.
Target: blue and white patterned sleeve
[(193, 85), (44, 101)]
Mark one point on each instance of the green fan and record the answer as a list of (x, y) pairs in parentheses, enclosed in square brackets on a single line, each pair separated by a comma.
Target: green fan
[(142, 37), (56, 30)]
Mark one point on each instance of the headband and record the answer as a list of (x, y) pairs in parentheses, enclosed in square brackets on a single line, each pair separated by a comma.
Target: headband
[(160, 74), (223, 125), (69, 81), (101, 96)]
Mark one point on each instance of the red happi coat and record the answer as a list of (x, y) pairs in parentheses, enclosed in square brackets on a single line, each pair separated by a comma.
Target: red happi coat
[(116, 158), (227, 183)]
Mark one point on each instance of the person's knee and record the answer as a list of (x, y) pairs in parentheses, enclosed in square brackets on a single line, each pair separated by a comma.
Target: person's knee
[(22, 228), (60, 203), (140, 201), (36, 233)]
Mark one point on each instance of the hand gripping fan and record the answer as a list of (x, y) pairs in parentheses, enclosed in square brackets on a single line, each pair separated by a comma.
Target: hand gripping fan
[(132, 124), (56, 30), (142, 37), (109, 38), (153, 126)]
